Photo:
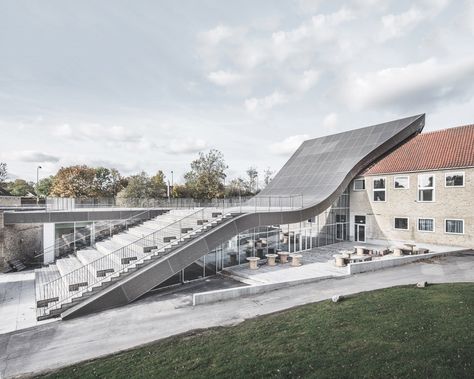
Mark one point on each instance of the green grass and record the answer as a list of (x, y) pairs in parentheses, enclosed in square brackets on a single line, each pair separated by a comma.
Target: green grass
[(398, 332)]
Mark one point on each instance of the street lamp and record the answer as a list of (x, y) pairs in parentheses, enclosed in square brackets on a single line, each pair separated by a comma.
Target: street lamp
[(37, 180), (172, 182)]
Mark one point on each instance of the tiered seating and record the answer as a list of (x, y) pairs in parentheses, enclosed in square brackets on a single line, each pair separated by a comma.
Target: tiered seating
[(112, 256)]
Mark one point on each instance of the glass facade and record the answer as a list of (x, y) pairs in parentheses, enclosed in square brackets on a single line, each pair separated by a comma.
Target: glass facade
[(329, 227)]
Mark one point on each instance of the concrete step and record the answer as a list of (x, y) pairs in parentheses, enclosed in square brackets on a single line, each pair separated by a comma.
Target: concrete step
[(68, 264), (108, 246), (43, 276), (99, 264)]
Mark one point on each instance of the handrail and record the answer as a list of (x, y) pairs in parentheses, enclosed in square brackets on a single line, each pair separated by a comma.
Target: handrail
[(105, 259), (75, 283), (111, 224)]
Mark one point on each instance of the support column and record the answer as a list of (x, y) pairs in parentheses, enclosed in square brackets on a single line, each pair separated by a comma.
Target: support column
[(49, 247)]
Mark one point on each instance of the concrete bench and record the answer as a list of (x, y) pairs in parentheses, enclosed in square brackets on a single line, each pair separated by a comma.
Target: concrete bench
[(271, 259), (253, 262), (283, 255)]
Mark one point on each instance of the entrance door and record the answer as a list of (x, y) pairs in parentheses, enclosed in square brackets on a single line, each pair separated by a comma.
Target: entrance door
[(359, 228), (359, 232)]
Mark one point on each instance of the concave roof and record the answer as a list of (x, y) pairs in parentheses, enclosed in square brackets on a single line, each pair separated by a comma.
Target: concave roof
[(321, 167)]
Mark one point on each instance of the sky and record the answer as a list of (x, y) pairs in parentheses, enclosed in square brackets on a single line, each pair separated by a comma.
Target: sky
[(147, 85)]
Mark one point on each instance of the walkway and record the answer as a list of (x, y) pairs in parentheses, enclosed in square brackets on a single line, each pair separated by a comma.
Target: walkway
[(57, 344)]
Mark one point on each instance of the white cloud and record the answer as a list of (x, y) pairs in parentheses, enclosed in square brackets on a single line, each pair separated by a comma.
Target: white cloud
[(330, 121), (34, 156), (417, 83), (96, 132), (288, 145), (224, 78), (308, 80), (396, 25), (186, 146), (256, 104), (320, 28), (216, 35)]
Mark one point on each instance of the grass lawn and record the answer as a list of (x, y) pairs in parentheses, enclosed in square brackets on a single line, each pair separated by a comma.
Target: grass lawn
[(398, 332)]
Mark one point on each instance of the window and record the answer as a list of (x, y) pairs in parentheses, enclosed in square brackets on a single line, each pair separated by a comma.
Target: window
[(454, 226), (401, 223), (426, 224), (426, 187), (455, 179), (359, 184), (359, 219), (401, 182), (379, 189)]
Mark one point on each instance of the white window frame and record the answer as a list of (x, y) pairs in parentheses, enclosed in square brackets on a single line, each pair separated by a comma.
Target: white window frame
[(425, 218), (401, 176), (455, 173), (379, 189), (454, 219), (356, 189), (426, 188), (408, 223)]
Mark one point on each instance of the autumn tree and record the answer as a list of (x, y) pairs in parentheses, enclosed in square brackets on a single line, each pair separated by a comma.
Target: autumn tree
[(74, 181), (205, 180)]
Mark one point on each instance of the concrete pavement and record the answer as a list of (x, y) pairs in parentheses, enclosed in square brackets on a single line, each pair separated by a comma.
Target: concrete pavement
[(57, 344)]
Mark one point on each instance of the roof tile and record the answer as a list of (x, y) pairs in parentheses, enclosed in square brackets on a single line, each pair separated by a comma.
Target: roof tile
[(447, 148)]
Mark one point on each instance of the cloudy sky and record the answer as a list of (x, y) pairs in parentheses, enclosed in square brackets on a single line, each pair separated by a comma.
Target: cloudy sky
[(137, 84)]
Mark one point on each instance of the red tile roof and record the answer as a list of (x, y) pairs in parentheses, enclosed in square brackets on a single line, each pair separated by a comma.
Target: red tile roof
[(447, 148)]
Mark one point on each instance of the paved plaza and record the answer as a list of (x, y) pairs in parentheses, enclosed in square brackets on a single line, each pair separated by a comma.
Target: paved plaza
[(57, 344)]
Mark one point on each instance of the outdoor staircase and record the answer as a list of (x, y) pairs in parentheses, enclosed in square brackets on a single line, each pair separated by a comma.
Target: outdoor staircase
[(79, 276)]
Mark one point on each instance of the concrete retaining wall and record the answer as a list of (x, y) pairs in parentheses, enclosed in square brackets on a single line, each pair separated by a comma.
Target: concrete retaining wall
[(232, 293), (20, 241), (357, 268), (10, 201)]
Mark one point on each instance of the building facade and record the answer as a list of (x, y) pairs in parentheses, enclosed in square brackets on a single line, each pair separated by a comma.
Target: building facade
[(423, 191)]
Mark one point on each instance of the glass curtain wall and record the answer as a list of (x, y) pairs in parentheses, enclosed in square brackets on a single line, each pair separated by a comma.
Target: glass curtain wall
[(329, 227)]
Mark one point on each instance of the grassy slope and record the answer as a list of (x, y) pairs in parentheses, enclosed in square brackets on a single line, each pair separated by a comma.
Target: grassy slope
[(398, 332)]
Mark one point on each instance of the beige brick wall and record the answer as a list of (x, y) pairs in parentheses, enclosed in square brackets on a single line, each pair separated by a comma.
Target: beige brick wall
[(450, 203)]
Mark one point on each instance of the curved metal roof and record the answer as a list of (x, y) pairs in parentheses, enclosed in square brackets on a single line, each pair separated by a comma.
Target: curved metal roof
[(319, 166)]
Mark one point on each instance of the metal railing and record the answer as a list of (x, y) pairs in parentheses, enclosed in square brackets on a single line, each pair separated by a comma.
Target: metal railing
[(158, 243), (69, 243), (271, 204), (83, 279)]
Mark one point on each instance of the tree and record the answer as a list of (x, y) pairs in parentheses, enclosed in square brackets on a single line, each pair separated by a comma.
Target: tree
[(74, 181), (3, 172), (252, 183), (237, 187), (20, 187), (267, 175), (205, 180), (107, 182), (180, 190), (158, 187), (44, 186), (138, 187)]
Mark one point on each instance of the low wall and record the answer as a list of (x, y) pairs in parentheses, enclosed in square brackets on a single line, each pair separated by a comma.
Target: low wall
[(10, 201), (357, 268), (237, 292)]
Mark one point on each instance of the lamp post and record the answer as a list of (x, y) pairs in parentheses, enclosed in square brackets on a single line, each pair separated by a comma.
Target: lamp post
[(37, 180), (172, 183)]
